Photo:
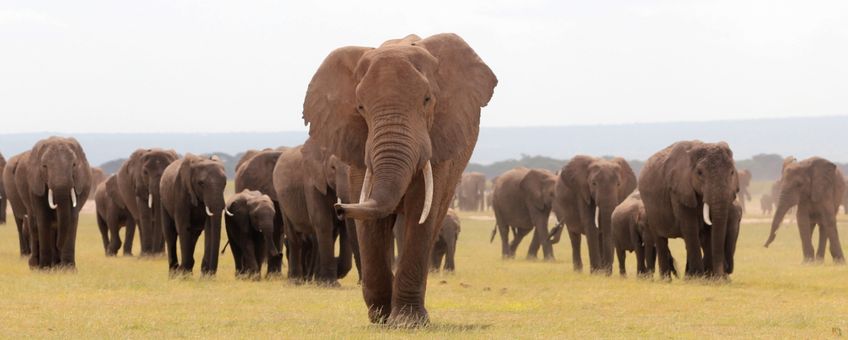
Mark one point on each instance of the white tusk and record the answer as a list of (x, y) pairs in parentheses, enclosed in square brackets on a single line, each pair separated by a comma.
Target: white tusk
[(707, 214), (50, 199), (150, 201), (366, 186), (428, 192), (208, 212), (338, 200), (73, 197), (227, 212), (597, 217)]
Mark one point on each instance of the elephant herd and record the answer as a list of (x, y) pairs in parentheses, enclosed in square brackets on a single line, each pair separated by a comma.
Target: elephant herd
[(689, 190), (391, 130)]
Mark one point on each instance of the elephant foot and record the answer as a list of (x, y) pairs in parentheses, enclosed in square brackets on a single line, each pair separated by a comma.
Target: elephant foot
[(508, 256), (839, 261), (274, 276), (128, 254), (408, 317), (532, 258), (550, 258), (378, 315), (328, 283)]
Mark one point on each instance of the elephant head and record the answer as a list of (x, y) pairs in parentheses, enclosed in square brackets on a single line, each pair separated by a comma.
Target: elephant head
[(539, 187), (703, 176), (394, 111), (254, 212), (744, 183), (601, 184), (204, 181), (58, 169), (147, 176), (815, 180)]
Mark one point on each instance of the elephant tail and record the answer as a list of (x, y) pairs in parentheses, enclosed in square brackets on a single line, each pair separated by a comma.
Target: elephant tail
[(494, 232), (225, 246)]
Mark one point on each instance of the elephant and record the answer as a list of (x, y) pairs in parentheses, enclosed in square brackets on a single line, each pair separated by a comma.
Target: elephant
[(250, 220), (767, 203), (489, 198), (631, 234), (816, 186), (97, 177), (685, 187), (445, 246), (307, 191), (112, 214), (192, 190), (845, 199), (587, 191), (15, 199), (405, 116), (256, 173), (471, 191), (53, 181), (3, 197), (138, 182), (744, 183), (522, 201)]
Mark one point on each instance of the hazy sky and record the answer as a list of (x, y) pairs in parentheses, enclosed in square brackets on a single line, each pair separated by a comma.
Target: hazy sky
[(173, 65)]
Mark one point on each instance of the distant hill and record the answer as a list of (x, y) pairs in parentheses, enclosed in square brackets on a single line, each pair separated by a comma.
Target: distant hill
[(499, 149)]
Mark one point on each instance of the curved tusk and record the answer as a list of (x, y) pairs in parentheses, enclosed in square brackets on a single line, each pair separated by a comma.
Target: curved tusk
[(73, 197), (150, 201), (338, 200), (50, 199), (228, 212), (366, 186), (707, 214), (597, 217), (428, 192), (208, 212)]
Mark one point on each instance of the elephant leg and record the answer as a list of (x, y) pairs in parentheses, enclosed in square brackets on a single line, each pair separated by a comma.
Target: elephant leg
[(621, 259), (690, 228), (67, 255), (104, 233), (806, 232), (641, 269), (188, 241), (275, 263), (436, 257), (375, 238), (249, 261), (833, 235), (706, 246), (31, 225), (115, 242), (663, 256), (212, 245), (23, 238), (143, 226), (593, 241), (576, 258), (354, 245), (46, 239), (169, 229), (450, 252), (823, 236), (541, 236), (650, 258), (519, 236), (319, 207), (533, 250), (503, 229), (129, 236)]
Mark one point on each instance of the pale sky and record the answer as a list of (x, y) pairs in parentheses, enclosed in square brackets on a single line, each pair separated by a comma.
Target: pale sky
[(217, 66)]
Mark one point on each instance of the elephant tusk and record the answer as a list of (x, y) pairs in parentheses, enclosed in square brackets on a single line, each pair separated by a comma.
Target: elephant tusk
[(150, 201), (366, 186), (73, 197), (597, 217), (50, 199), (428, 192), (208, 212), (228, 212), (707, 214), (338, 200)]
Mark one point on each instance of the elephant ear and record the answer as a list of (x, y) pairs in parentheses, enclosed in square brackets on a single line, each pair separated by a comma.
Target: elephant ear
[(575, 175), (185, 176), (35, 174), (82, 175), (680, 169), (137, 171), (533, 186), (335, 126), (823, 178), (628, 178), (464, 84), (316, 171)]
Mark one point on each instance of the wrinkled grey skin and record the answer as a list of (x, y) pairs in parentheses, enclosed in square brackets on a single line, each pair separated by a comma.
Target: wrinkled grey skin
[(522, 202), (250, 231), (192, 188), (15, 200), (138, 180), (255, 172), (112, 214)]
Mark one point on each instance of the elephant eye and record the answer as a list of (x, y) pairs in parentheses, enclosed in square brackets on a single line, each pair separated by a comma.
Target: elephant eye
[(360, 108), (700, 173), (200, 183), (426, 100)]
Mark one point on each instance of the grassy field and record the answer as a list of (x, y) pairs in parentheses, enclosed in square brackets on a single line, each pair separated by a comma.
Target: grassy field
[(772, 295)]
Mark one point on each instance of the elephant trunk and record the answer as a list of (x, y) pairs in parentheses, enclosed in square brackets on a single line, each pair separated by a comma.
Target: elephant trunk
[(64, 212), (394, 163), (718, 215), (269, 243), (604, 218), (782, 208)]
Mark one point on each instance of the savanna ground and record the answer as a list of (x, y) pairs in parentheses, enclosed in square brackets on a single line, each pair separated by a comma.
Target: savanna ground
[(772, 295)]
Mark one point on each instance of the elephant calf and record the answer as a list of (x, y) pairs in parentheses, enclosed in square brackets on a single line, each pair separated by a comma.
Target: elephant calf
[(630, 232), (112, 214), (250, 229), (445, 245)]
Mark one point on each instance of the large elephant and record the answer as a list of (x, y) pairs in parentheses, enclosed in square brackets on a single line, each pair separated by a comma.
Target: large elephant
[(405, 116), (522, 202), (249, 216), (53, 181), (687, 187), (471, 192), (3, 197), (112, 214), (744, 183), (16, 201), (445, 246), (307, 191), (587, 191), (256, 173), (97, 177), (138, 181), (192, 192), (816, 186)]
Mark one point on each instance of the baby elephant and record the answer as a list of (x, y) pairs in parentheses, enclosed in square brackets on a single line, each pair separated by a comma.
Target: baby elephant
[(630, 233), (250, 230), (112, 214), (445, 246)]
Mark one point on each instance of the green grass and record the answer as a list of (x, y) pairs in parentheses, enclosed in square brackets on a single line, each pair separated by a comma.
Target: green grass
[(772, 295)]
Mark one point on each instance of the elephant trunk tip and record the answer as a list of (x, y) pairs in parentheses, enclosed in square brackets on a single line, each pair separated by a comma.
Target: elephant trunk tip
[(368, 210)]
